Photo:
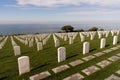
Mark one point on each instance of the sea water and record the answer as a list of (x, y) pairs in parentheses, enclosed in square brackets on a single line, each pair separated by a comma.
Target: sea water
[(8, 29)]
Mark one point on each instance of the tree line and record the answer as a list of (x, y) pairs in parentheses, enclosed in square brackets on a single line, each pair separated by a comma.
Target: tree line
[(69, 28)]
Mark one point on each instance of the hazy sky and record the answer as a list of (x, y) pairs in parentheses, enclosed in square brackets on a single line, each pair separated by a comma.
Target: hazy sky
[(24, 11)]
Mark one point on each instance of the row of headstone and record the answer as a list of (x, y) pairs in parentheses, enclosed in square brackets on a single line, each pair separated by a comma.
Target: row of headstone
[(16, 48), (3, 42), (87, 34), (82, 37), (102, 33), (24, 64), (56, 41), (42, 36), (46, 39), (86, 48), (92, 35), (36, 39), (61, 51), (86, 45), (71, 37), (19, 39), (29, 40), (1, 38), (74, 34), (63, 36), (67, 36), (106, 33), (115, 32), (23, 39), (13, 42)]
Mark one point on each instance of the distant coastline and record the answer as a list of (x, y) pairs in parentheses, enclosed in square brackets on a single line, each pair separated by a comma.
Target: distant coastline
[(8, 29)]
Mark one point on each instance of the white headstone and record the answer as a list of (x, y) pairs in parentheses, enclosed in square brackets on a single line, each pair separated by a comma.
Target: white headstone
[(115, 40), (82, 38), (57, 43), (23, 65), (107, 33), (17, 50), (71, 40), (44, 42), (0, 46), (100, 35), (102, 43), (65, 38), (86, 46), (112, 32), (26, 42), (118, 32), (87, 34), (61, 54), (91, 37), (31, 43), (39, 46), (36, 40)]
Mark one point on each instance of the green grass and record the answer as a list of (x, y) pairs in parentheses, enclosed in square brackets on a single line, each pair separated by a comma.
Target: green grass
[(47, 59)]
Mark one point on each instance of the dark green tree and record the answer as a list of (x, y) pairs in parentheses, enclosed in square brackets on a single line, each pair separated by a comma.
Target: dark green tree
[(93, 29), (101, 29), (79, 30), (67, 28)]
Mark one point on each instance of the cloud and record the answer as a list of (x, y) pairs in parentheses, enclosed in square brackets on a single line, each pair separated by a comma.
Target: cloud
[(15, 6), (94, 13), (52, 3)]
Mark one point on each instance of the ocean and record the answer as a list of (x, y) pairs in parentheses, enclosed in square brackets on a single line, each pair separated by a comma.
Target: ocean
[(8, 29)]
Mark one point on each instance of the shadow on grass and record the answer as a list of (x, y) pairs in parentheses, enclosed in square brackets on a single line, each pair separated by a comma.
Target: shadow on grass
[(26, 52), (5, 57), (107, 45), (63, 44), (93, 49), (118, 42), (47, 48), (76, 42), (3, 78), (71, 56), (45, 64)]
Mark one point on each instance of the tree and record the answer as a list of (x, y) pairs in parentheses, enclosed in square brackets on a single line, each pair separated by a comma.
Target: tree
[(101, 29), (67, 28), (79, 30), (93, 29)]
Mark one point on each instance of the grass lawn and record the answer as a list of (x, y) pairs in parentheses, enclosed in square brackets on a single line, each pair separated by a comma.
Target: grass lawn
[(47, 59)]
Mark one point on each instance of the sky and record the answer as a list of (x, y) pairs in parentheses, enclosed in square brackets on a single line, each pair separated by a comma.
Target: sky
[(40, 11)]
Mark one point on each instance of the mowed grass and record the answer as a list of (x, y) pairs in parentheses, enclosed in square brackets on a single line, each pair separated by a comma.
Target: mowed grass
[(47, 59)]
